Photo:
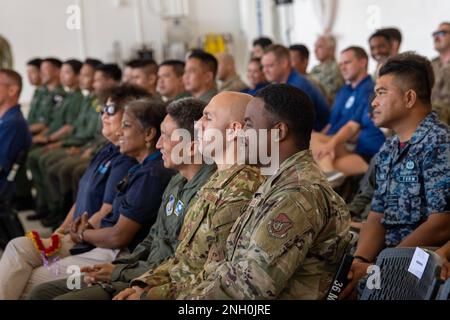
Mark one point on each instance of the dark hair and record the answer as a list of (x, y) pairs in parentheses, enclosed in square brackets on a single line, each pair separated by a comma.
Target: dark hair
[(393, 33), (148, 113), (149, 66), (177, 66), (132, 63), (53, 61), (110, 70), (414, 71), (74, 64), (207, 59), (359, 52), (258, 61), (294, 107), (280, 52), (381, 33), (125, 93), (14, 77), (94, 63), (185, 112), (301, 49), (263, 42), (36, 62)]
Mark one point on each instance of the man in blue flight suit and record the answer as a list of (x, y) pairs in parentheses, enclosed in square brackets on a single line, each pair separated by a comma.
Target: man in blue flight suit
[(277, 68), (14, 134), (411, 204)]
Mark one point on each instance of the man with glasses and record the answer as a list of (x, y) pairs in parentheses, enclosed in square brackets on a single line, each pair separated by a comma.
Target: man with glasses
[(440, 98)]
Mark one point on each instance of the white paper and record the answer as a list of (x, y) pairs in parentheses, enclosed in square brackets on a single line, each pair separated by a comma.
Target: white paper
[(418, 263)]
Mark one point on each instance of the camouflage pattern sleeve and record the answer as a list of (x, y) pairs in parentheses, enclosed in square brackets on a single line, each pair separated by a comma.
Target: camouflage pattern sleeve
[(436, 173), (156, 277), (279, 242)]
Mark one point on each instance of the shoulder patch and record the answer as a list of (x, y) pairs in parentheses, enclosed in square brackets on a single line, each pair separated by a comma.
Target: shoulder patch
[(279, 226)]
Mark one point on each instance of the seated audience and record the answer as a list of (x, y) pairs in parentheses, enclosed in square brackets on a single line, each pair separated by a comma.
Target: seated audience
[(350, 118), (291, 238), (277, 69), (121, 228), (410, 206), (255, 76)]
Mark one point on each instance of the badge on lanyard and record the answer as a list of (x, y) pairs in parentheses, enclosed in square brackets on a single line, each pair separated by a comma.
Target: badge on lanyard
[(169, 206), (179, 208)]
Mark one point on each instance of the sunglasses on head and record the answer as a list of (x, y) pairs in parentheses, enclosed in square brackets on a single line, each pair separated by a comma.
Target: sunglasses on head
[(109, 109), (440, 33)]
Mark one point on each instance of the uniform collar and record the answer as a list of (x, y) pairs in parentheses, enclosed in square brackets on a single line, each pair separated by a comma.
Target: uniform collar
[(13, 110), (427, 123), (151, 157), (199, 175), (304, 156), (227, 175)]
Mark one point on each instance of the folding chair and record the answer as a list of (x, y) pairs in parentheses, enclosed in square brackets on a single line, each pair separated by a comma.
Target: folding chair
[(444, 292), (397, 283)]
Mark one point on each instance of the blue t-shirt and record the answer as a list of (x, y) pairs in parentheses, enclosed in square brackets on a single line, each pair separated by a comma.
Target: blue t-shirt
[(139, 195), (320, 104), (98, 183), (258, 87), (14, 138), (350, 103), (353, 104)]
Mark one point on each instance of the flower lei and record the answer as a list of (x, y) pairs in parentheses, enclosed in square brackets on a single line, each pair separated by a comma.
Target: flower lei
[(37, 241)]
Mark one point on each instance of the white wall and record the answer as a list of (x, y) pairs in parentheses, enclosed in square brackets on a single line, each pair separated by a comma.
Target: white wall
[(417, 19), (38, 27)]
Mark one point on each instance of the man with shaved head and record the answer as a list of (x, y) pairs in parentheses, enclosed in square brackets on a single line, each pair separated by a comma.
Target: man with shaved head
[(218, 204), (226, 73)]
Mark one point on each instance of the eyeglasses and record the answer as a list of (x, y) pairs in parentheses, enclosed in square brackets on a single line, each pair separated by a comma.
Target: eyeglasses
[(440, 33), (109, 109)]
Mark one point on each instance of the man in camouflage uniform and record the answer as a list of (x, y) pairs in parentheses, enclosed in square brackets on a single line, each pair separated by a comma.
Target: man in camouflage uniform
[(291, 237), (411, 205), (227, 73), (162, 240), (440, 98), (327, 73), (217, 205)]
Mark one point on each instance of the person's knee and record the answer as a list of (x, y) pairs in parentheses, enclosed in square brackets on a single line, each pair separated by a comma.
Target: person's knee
[(18, 247), (42, 291)]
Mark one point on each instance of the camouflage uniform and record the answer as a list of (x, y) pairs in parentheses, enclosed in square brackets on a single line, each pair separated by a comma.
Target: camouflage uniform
[(441, 92), (287, 244), (205, 230), (6, 58), (414, 181), (329, 76), (234, 84)]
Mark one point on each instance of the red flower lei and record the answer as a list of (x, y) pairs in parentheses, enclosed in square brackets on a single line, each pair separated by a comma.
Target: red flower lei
[(48, 252)]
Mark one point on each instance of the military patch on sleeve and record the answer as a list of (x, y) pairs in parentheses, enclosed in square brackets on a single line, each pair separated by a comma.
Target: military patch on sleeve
[(179, 208), (279, 226), (170, 204)]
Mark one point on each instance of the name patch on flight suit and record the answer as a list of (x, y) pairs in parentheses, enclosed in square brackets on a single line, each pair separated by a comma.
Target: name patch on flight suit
[(179, 208)]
